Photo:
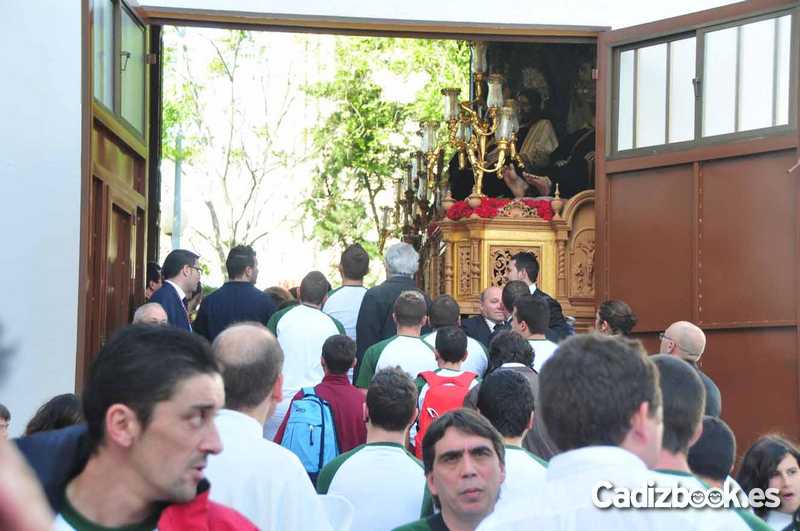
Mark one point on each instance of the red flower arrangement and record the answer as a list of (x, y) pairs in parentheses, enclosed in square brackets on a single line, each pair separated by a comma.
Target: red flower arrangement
[(490, 207)]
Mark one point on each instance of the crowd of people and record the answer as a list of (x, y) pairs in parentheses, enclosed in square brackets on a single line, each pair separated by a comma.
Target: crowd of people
[(379, 409)]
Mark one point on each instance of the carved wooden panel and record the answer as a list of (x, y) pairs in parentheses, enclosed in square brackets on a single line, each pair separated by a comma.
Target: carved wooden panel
[(500, 257), (464, 257), (582, 264)]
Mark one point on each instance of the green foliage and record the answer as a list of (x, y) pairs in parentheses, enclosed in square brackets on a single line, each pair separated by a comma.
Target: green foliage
[(368, 139)]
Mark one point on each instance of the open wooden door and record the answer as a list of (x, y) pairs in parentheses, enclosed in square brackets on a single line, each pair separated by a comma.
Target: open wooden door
[(697, 215), (115, 201)]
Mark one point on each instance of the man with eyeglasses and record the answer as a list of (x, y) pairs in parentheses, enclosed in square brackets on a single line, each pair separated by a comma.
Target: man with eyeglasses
[(687, 341), (181, 275)]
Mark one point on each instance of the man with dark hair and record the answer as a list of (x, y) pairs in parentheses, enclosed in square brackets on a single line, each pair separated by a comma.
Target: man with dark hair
[(529, 319), (238, 299), (5, 422), (506, 400), (375, 322), (524, 266), (492, 317), (381, 479), (687, 341), (181, 276), (345, 400), (153, 281), (406, 350), (713, 455), (244, 473), (444, 311), (344, 302), (149, 404), (301, 330), (601, 402), (684, 400), (464, 460), (511, 292)]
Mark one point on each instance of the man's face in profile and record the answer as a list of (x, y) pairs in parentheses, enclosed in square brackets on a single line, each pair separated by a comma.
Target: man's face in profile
[(513, 272)]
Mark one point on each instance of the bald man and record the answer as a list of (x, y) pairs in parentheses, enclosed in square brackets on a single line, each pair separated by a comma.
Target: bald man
[(257, 477), (483, 327), (687, 341), (151, 313)]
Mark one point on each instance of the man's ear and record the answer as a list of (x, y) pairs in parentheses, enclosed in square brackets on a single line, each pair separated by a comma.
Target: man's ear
[(425, 320), (364, 412), (122, 426), (277, 389), (353, 365), (530, 422), (697, 433)]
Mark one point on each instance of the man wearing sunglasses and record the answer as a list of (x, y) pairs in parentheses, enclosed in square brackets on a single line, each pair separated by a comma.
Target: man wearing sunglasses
[(687, 341), (181, 275)]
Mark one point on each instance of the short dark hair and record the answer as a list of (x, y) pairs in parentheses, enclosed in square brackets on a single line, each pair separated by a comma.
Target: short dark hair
[(391, 399), (683, 398), (153, 272), (240, 258), (410, 308), (466, 421), (761, 461), (140, 366), (527, 260), (509, 347), (314, 287), (534, 312), (5, 414), (591, 389), (444, 311), (451, 344), (355, 262), (176, 261), (618, 315), (339, 351), (58, 412), (513, 290), (505, 398), (250, 367), (713, 454)]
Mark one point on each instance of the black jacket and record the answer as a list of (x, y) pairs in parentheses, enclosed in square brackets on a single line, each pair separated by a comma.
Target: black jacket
[(476, 328), (233, 302), (558, 329), (375, 321)]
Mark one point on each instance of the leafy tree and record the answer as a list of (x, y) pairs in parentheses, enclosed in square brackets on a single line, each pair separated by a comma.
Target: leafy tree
[(368, 139)]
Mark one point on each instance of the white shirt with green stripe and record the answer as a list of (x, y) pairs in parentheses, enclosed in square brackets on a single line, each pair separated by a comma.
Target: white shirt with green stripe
[(477, 359), (410, 353), (383, 481), (542, 350), (525, 476)]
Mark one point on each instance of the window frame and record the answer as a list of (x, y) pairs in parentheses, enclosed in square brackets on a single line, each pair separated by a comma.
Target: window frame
[(699, 140)]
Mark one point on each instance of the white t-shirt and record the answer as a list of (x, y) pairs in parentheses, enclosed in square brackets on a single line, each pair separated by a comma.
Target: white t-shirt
[(343, 304), (525, 475), (542, 349), (410, 353), (383, 481), (565, 501), (477, 360), (262, 480), (778, 520)]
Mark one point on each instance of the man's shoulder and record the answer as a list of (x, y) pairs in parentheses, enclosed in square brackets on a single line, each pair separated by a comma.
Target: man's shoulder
[(166, 293), (378, 347)]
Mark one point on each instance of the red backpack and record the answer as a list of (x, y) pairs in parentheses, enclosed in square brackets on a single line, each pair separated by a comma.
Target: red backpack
[(444, 393)]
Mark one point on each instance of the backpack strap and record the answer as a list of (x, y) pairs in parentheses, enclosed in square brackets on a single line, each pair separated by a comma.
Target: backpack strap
[(462, 380), (309, 391)]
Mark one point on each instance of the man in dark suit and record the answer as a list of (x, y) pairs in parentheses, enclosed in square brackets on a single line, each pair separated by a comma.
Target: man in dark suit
[(181, 276), (482, 327), (525, 267), (238, 299), (375, 322)]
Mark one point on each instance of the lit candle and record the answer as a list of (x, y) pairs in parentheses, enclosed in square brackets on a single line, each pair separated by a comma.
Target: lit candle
[(479, 57)]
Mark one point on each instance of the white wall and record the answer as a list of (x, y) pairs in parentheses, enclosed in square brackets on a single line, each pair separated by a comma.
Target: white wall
[(40, 185), (613, 13)]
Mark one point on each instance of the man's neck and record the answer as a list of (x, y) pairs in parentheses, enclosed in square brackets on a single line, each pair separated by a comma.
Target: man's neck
[(536, 336), (454, 523), (413, 331), (106, 493), (350, 282), (240, 279), (176, 283), (379, 435), (455, 366), (514, 441), (493, 321), (715, 483), (311, 305), (261, 412), (675, 462)]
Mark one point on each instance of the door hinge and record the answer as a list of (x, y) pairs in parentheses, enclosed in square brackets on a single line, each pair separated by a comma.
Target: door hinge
[(151, 58)]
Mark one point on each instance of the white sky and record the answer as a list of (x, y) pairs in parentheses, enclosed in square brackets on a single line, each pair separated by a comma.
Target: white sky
[(615, 14)]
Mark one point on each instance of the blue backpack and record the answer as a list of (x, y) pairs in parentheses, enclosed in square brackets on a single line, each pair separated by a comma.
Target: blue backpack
[(310, 432)]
